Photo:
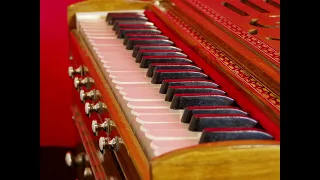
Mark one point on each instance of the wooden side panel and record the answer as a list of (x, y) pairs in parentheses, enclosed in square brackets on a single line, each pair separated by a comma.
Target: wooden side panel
[(241, 160)]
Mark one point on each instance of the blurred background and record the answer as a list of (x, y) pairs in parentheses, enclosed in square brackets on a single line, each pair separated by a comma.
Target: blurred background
[(57, 133)]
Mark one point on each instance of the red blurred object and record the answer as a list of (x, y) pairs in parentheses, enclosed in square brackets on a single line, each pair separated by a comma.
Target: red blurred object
[(56, 126)]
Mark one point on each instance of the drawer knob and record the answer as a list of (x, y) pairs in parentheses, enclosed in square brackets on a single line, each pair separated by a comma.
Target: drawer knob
[(105, 142), (81, 70), (87, 82), (99, 108), (93, 95), (107, 126)]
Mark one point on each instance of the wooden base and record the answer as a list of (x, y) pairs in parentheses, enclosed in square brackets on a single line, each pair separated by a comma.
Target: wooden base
[(241, 160)]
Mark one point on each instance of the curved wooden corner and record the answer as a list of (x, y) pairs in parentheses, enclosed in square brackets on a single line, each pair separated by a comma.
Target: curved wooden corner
[(241, 160), (101, 5)]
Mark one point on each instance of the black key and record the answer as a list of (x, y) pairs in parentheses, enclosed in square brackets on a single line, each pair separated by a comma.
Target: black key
[(147, 60), (147, 36), (133, 25), (185, 82), (142, 53), (190, 111), (123, 32), (125, 17), (133, 41), (153, 47), (119, 22), (159, 66), (160, 75), (172, 90), (201, 121), (123, 27), (110, 15), (226, 134), (181, 101)]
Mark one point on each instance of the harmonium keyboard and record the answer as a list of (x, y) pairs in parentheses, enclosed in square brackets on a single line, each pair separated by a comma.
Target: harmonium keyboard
[(176, 89)]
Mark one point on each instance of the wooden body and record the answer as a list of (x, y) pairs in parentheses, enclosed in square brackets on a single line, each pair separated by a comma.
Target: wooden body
[(225, 160)]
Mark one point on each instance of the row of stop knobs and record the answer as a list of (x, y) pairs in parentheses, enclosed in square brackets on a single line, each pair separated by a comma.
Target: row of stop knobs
[(97, 107)]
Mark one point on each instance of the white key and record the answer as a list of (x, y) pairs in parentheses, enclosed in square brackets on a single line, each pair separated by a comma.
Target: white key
[(144, 97), (148, 105), (112, 63), (95, 35), (107, 57), (95, 27), (117, 69), (126, 86), (124, 80), (176, 134), (92, 21), (164, 118), (110, 40), (139, 90), (99, 43), (163, 126), (139, 112), (173, 143), (128, 74), (92, 30)]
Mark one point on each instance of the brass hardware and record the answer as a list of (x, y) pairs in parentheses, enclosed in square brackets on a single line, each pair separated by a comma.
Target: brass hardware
[(114, 144), (99, 108), (81, 70), (93, 95), (87, 82), (107, 126)]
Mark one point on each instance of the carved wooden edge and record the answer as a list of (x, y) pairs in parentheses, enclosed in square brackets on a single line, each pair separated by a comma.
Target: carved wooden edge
[(131, 143), (101, 5), (241, 160)]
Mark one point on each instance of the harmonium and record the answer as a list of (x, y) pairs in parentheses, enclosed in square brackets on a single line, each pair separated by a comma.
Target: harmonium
[(175, 89)]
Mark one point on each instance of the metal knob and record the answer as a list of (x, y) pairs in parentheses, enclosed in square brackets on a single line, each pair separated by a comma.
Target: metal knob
[(107, 126), (87, 82), (105, 142), (81, 70), (72, 71), (87, 172), (74, 160), (99, 108), (93, 95)]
